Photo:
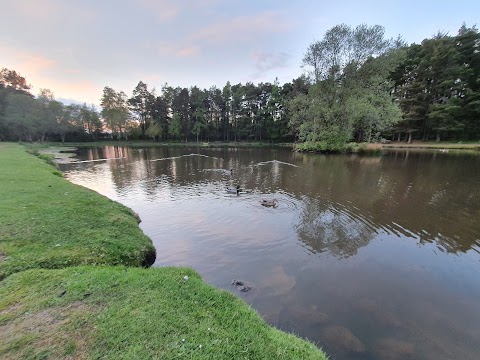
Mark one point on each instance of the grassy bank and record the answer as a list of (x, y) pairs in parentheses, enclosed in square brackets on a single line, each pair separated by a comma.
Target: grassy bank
[(107, 312), (376, 148), (433, 145), (47, 222), (131, 313)]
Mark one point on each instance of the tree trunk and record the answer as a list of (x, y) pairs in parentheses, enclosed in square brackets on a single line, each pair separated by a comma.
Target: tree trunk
[(409, 138), (399, 137), (438, 137)]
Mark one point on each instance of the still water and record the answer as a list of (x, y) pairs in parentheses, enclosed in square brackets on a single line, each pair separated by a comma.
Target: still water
[(369, 257)]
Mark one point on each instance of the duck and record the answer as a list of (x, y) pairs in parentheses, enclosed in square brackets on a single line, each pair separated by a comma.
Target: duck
[(233, 190), (269, 203), (241, 286)]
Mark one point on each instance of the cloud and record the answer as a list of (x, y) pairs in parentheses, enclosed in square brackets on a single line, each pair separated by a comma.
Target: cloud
[(265, 61), (166, 10), (177, 50), (188, 51), (36, 64), (27, 62), (163, 9), (49, 10), (80, 90), (45, 72), (243, 28)]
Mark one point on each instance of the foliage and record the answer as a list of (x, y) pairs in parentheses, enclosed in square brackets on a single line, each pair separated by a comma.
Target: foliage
[(175, 127), (437, 87), (115, 111), (154, 131), (47, 222), (26, 118), (350, 91), (140, 104), (21, 117), (10, 79), (326, 147)]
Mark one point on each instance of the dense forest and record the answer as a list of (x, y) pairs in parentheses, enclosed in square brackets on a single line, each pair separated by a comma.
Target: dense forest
[(356, 86)]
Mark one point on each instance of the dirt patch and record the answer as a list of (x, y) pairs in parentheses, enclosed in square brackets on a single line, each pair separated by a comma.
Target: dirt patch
[(48, 331), (3, 256)]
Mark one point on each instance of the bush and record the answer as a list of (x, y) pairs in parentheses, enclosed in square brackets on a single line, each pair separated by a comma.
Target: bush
[(326, 147)]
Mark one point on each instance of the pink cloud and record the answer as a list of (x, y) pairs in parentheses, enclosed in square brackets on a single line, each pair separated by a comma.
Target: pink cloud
[(171, 9), (163, 9), (178, 50), (50, 10), (81, 90), (188, 51), (44, 72), (26, 61), (243, 28)]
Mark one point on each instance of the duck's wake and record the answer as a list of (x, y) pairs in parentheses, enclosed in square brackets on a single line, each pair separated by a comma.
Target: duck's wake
[(274, 161), (178, 157), (86, 161)]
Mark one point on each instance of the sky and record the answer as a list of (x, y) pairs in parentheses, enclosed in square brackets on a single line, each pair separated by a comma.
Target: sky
[(77, 47)]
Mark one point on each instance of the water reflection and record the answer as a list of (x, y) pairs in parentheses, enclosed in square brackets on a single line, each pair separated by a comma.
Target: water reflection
[(372, 257), (325, 227)]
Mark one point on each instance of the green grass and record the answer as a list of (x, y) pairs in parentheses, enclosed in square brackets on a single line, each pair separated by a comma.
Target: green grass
[(376, 148), (47, 222), (435, 145), (133, 313)]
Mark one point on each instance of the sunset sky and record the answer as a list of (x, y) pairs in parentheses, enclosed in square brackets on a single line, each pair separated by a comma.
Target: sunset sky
[(77, 47)]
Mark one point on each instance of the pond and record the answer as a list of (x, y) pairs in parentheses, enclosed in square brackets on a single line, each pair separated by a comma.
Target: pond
[(369, 257)]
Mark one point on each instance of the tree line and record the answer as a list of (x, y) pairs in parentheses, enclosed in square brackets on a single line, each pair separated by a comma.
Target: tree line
[(358, 86), (25, 117), (238, 112)]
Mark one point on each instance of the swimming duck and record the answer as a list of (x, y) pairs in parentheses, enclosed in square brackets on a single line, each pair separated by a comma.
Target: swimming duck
[(241, 286), (233, 190), (269, 203)]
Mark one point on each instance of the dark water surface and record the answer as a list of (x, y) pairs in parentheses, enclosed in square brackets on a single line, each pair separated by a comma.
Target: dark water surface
[(370, 257)]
